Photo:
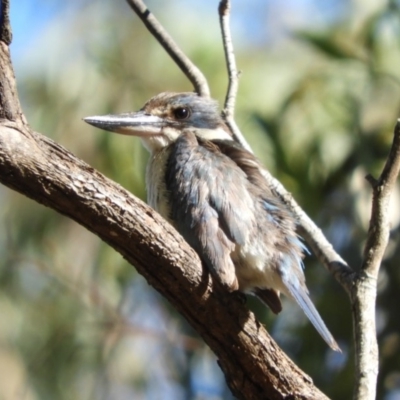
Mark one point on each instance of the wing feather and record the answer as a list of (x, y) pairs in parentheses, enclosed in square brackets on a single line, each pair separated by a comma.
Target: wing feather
[(212, 217)]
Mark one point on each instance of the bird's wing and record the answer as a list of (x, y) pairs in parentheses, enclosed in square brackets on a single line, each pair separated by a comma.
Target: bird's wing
[(289, 245), (209, 202), (270, 297)]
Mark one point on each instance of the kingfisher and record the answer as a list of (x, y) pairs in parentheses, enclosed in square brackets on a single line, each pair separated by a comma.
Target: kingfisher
[(213, 192)]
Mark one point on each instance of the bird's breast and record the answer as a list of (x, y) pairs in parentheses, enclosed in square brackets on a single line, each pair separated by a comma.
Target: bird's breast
[(157, 194)]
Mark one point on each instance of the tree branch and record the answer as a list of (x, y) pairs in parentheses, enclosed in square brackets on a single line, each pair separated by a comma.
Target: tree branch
[(379, 226), (194, 75), (5, 32), (364, 293), (233, 74), (254, 365)]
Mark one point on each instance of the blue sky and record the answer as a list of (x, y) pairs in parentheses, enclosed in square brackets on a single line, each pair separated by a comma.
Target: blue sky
[(29, 17)]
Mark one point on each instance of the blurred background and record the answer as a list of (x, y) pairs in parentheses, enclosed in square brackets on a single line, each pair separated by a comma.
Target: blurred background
[(319, 96)]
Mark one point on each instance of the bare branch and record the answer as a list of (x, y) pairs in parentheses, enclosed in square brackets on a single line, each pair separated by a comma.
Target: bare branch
[(363, 298), (379, 227), (233, 74), (364, 293), (156, 29)]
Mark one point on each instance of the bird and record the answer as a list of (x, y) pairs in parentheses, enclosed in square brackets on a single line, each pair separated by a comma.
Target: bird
[(212, 190)]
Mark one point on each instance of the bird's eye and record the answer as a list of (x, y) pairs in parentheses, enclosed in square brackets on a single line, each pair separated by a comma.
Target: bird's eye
[(182, 113)]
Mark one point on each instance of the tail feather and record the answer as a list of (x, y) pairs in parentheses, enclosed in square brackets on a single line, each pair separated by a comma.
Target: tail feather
[(304, 301), (270, 297)]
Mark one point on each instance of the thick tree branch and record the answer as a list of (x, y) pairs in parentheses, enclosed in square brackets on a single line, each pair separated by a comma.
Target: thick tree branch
[(364, 293), (254, 365), (5, 32), (157, 30)]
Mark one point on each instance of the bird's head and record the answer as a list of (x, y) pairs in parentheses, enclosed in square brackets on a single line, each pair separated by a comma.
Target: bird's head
[(166, 116)]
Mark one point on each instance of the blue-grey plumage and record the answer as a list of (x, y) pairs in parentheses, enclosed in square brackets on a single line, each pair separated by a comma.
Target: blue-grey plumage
[(212, 190)]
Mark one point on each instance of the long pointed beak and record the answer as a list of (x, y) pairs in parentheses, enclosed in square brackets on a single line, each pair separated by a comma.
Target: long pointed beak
[(136, 124)]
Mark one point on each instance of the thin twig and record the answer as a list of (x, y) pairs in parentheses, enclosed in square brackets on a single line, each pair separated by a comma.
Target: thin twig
[(233, 74), (365, 288), (157, 30), (233, 84)]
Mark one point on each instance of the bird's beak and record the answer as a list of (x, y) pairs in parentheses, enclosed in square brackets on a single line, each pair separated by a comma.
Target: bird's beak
[(136, 124)]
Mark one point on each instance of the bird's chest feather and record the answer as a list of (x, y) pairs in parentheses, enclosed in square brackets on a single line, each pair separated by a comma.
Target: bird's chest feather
[(157, 194)]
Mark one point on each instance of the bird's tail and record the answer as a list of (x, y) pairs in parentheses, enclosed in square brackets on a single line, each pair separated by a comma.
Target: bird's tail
[(301, 296)]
